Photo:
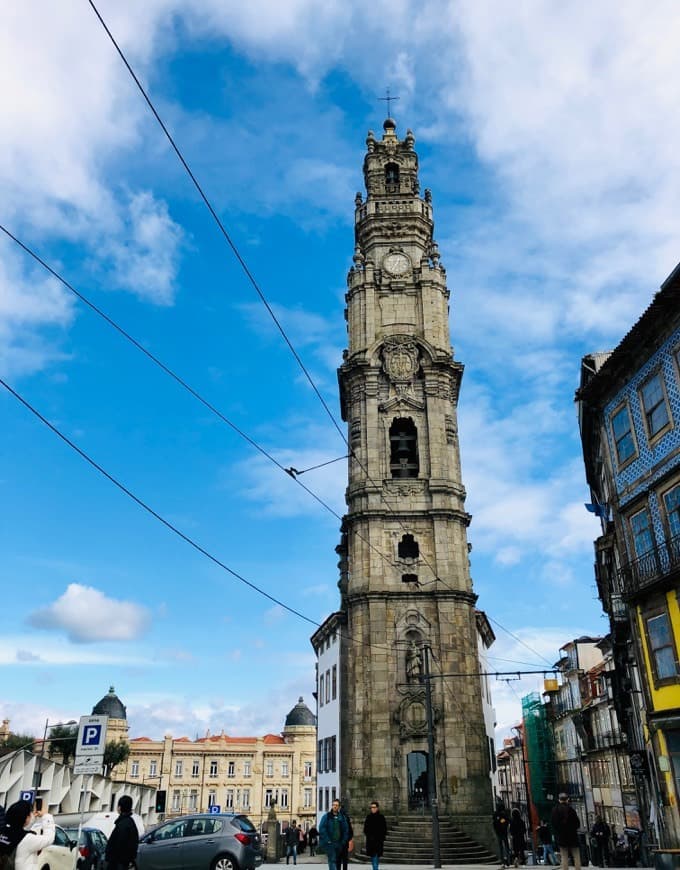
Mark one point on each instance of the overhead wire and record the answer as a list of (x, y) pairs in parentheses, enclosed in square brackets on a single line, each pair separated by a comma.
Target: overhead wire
[(227, 237), (185, 385)]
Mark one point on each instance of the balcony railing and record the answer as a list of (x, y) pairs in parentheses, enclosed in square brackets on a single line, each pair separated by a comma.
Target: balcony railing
[(610, 740), (655, 566)]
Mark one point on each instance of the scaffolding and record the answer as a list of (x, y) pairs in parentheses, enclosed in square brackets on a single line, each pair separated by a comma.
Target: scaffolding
[(540, 754)]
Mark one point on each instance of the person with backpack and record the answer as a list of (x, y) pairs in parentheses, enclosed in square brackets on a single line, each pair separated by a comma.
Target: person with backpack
[(333, 834), (19, 847)]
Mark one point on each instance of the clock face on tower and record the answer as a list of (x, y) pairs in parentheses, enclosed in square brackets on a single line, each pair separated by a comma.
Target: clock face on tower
[(396, 264)]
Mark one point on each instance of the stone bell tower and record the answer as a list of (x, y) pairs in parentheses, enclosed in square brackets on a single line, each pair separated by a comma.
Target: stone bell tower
[(405, 578)]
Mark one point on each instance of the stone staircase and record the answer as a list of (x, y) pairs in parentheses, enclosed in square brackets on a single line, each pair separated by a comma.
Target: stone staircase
[(409, 841)]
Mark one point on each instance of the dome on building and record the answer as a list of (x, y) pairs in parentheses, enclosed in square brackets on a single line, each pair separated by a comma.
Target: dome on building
[(301, 715), (110, 705)]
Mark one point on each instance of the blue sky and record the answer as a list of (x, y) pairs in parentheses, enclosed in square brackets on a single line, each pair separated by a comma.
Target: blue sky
[(548, 137)]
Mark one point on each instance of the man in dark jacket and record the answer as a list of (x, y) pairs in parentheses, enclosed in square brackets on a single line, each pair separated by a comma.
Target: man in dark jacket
[(375, 831), (121, 850), (565, 824), (601, 833), (333, 834), (291, 838)]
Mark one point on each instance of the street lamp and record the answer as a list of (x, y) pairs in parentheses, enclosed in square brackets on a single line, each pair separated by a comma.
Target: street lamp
[(37, 774)]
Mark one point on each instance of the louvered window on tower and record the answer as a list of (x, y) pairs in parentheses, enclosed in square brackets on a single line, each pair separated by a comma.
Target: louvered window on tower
[(392, 178), (408, 548), (403, 448)]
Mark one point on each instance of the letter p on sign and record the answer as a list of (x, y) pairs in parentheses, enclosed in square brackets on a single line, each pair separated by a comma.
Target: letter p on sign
[(92, 735)]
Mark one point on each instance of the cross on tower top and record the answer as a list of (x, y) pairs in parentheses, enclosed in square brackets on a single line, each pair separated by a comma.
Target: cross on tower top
[(388, 99)]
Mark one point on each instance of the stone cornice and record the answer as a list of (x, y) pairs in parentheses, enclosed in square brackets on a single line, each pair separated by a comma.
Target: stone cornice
[(446, 594)]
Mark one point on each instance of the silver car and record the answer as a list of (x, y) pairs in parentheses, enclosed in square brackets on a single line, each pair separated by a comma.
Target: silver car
[(204, 841)]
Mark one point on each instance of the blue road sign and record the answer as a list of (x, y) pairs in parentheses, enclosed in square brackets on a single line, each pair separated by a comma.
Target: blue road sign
[(27, 796), (215, 809)]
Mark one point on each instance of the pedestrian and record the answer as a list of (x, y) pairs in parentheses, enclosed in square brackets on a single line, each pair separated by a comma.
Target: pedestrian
[(375, 831), (23, 841), (565, 824), (343, 855), (301, 841), (501, 823), (312, 840), (600, 834), (518, 837), (121, 850), (333, 833), (291, 839), (545, 839)]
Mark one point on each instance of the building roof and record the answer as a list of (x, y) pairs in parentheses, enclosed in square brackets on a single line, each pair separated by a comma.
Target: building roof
[(300, 715), (640, 341), (111, 706)]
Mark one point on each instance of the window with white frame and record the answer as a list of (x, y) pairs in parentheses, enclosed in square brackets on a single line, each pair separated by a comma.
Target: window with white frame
[(320, 799), (213, 769), (195, 768), (321, 691), (134, 768), (268, 796), (662, 647), (283, 798), (212, 797), (193, 800), (153, 768), (229, 799), (176, 805), (308, 769), (654, 405), (179, 765), (284, 769), (246, 768), (231, 768), (307, 798), (269, 768), (334, 693), (245, 798), (328, 686)]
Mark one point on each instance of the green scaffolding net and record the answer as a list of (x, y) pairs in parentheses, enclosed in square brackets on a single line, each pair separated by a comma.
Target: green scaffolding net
[(540, 755)]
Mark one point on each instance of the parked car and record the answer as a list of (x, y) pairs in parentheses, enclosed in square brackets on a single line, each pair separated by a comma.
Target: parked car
[(91, 848), (204, 841), (58, 856)]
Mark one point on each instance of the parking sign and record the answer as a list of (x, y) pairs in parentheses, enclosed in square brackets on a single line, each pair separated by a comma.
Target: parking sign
[(215, 809), (91, 736)]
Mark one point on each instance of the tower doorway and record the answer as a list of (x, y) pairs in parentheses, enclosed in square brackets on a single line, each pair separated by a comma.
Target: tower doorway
[(418, 791)]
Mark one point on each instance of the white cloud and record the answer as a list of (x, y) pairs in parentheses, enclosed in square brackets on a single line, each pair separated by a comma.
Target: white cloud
[(87, 615), (146, 257)]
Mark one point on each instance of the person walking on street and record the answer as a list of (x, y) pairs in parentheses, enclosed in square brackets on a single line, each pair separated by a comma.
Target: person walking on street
[(312, 840), (565, 824), (343, 855), (375, 831), (121, 850), (501, 823), (333, 833), (518, 837), (600, 834), (545, 839), (291, 838)]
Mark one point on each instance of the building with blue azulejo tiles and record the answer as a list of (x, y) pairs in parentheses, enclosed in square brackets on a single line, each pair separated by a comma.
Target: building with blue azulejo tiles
[(629, 416)]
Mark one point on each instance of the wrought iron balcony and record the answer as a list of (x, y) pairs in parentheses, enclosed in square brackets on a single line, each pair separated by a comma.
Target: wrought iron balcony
[(610, 740), (658, 565)]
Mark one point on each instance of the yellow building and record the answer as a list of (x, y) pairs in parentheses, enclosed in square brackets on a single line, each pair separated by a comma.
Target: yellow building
[(238, 774)]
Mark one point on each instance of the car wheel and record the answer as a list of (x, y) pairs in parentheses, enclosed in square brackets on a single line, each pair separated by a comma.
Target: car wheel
[(224, 862)]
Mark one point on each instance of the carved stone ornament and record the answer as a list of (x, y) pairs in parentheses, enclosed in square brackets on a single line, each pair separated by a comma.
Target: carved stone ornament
[(400, 359), (411, 716)]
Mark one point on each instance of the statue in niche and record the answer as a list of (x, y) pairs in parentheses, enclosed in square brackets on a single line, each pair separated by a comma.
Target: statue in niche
[(414, 663)]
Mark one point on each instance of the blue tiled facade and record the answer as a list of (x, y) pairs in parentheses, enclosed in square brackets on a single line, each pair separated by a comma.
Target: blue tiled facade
[(651, 462)]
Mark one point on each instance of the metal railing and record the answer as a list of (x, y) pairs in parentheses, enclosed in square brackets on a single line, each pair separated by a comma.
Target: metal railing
[(652, 567)]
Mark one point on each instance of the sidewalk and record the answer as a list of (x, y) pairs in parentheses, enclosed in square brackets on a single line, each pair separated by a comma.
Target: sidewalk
[(320, 860)]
